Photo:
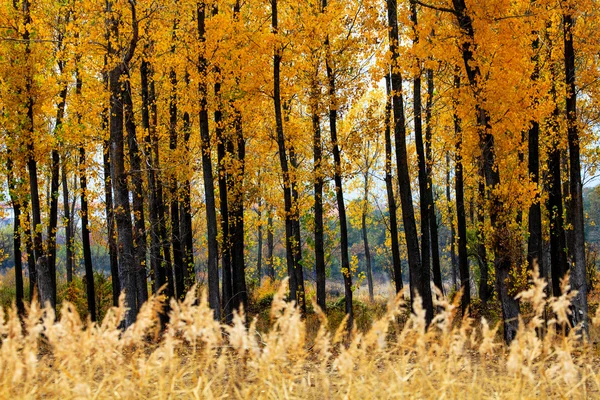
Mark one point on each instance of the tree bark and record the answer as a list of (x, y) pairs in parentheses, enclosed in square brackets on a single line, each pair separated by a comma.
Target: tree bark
[(318, 193), (578, 281), (396, 264), (85, 238), (236, 221), (187, 236), (535, 241), (424, 200), (68, 226), (461, 223), (453, 258), (178, 266), (365, 237), (122, 209), (292, 247), (270, 244), (18, 257), (259, 247), (433, 224), (227, 278), (139, 228), (419, 276), (207, 172), (337, 177), (502, 262)]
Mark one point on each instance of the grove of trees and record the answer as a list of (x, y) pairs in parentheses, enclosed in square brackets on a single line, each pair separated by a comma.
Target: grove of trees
[(445, 138)]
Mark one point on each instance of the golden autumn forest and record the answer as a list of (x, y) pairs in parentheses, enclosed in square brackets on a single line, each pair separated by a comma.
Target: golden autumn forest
[(219, 198)]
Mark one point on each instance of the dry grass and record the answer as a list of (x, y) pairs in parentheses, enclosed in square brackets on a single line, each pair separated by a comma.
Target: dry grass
[(197, 357)]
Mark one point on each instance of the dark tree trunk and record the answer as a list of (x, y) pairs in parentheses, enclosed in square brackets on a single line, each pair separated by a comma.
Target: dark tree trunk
[(510, 306), (18, 258), (365, 238), (122, 209), (43, 273), (156, 266), (236, 221), (558, 241), (178, 267), (484, 289), (461, 223), (85, 238), (419, 276), (227, 278), (54, 185), (396, 264), (108, 196), (318, 187), (207, 172), (339, 191), (259, 247), (453, 259), (187, 237), (292, 248), (433, 224), (68, 226), (139, 228), (578, 281), (535, 241), (53, 220), (110, 223), (424, 200), (30, 253), (270, 244)]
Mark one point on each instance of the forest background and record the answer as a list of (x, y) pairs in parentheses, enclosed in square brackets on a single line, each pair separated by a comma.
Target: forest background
[(335, 142)]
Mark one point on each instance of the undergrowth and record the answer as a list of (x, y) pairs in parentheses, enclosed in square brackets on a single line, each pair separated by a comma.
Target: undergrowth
[(195, 356)]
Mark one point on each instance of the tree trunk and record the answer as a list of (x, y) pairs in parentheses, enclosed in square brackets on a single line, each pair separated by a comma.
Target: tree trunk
[(484, 289), (122, 209), (68, 225), (259, 247), (85, 238), (227, 283), (578, 282), (433, 224), (236, 221), (510, 306), (18, 258), (54, 183), (461, 223), (178, 267), (419, 276), (155, 247), (558, 241), (396, 264), (44, 274), (207, 172), (535, 241), (292, 248), (424, 200), (366, 238), (337, 177), (187, 236), (453, 259), (318, 188), (139, 228), (30, 253), (270, 244)]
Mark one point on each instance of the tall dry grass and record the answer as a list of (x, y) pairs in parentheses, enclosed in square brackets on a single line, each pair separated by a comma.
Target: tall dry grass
[(197, 357)]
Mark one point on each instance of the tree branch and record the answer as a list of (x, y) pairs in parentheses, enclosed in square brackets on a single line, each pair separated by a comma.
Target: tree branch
[(443, 9)]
